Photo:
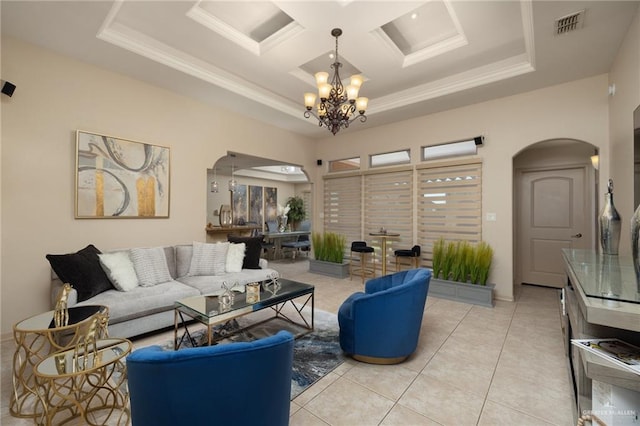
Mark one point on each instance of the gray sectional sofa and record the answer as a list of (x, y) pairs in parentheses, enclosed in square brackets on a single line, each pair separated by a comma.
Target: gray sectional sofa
[(143, 309)]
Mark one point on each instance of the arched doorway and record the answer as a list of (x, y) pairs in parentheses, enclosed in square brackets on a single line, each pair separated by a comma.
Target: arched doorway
[(262, 185), (555, 187)]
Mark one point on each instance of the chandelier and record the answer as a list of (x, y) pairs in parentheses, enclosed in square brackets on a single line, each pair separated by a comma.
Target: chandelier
[(338, 104)]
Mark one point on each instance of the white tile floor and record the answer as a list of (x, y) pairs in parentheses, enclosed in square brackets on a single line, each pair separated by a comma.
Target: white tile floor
[(473, 366)]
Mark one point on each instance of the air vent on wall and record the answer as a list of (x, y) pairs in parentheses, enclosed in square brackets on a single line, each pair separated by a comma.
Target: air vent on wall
[(570, 22)]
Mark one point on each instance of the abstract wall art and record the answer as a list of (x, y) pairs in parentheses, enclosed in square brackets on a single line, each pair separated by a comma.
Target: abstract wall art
[(120, 178), (256, 205), (270, 203), (239, 205)]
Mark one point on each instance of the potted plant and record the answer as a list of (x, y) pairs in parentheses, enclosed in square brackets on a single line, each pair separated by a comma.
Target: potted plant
[(328, 253), (296, 211), (460, 272)]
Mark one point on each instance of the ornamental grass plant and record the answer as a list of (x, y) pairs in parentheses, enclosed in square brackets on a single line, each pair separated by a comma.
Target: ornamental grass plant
[(328, 246), (461, 261)]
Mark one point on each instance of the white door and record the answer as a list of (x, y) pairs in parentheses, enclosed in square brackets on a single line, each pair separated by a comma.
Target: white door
[(553, 213)]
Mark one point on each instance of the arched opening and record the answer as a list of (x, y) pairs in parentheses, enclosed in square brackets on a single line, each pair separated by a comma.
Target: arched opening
[(262, 185), (555, 187)]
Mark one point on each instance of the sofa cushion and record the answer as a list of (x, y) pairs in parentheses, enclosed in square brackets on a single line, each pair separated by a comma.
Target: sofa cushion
[(183, 259), (208, 259), (142, 301), (253, 250), (119, 269), (150, 265), (82, 270)]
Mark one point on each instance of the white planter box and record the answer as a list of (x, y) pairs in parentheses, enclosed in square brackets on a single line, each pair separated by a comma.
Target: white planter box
[(337, 270), (462, 292)]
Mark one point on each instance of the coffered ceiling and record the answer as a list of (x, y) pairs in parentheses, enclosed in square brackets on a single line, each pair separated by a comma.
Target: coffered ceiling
[(258, 58)]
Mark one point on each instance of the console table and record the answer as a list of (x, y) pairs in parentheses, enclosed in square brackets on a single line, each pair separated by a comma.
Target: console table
[(218, 233), (601, 300)]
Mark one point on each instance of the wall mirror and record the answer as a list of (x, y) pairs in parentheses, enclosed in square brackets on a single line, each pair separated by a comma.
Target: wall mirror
[(259, 186)]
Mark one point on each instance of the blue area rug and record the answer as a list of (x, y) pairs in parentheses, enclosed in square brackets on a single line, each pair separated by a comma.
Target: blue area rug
[(315, 354)]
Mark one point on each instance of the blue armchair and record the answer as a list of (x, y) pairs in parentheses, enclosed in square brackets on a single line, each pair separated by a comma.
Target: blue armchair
[(246, 383), (382, 325)]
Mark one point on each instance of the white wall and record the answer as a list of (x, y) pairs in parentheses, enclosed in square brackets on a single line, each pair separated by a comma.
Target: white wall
[(625, 74), (55, 96), (575, 110)]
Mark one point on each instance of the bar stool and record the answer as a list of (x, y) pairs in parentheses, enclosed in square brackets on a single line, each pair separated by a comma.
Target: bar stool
[(362, 249), (413, 255)]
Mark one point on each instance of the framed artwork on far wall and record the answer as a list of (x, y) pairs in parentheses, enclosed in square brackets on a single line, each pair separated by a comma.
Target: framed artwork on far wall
[(256, 205), (120, 178), (239, 205), (270, 203)]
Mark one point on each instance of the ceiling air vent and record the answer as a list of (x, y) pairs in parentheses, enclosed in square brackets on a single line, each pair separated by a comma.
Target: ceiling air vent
[(570, 22)]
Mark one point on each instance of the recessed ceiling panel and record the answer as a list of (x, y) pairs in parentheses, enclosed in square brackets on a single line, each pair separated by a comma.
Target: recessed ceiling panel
[(323, 63), (257, 20), (421, 28)]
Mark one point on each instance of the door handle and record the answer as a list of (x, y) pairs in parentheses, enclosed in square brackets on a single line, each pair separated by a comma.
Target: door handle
[(578, 235)]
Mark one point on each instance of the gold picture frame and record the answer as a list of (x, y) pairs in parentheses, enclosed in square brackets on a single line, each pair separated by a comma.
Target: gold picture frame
[(120, 178)]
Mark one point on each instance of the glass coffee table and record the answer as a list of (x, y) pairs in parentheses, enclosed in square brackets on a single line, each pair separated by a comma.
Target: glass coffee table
[(206, 310)]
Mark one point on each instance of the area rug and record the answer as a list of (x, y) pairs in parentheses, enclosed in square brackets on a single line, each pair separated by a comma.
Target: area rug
[(315, 354)]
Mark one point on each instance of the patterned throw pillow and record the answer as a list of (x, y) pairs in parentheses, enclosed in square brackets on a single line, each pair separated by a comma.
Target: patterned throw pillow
[(120, 270), (150, 265), (208, 259)]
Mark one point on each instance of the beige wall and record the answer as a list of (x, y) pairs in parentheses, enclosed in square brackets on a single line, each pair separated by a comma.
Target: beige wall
[(54, 97), (625, 74), (575, 110)]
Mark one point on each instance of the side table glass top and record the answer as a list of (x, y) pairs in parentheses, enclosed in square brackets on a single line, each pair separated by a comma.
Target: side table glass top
[(62, 363), (45, 321)]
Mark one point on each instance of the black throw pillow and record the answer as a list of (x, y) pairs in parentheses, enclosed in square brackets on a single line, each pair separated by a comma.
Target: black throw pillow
[(252, 251), (82, 270)]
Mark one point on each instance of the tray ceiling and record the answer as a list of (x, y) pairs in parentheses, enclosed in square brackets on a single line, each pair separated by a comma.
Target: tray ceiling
[(258, 57)]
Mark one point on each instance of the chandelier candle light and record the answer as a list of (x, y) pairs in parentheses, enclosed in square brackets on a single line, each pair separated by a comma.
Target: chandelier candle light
[(338, 104)]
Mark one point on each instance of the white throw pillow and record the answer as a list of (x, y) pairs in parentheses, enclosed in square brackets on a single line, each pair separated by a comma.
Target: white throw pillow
[(150, 265), (119, 269), (235, 257), (208, 259)]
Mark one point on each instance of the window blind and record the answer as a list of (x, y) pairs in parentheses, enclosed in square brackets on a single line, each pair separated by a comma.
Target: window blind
[(389, 204), (449, 204), (342, 206)]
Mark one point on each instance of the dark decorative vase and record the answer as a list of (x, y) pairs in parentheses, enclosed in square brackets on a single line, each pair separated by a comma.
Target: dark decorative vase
[(609, 223)]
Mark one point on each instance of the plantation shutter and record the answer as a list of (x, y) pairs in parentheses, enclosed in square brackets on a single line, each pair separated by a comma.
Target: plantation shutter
[(389, 204), (449, 203), (342, 206)]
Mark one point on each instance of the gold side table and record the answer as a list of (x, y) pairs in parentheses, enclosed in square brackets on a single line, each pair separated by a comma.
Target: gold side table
[(90, 385), (37, 337)]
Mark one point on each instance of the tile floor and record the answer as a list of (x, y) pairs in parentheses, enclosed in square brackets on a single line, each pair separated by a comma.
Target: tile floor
[(473, 366)]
